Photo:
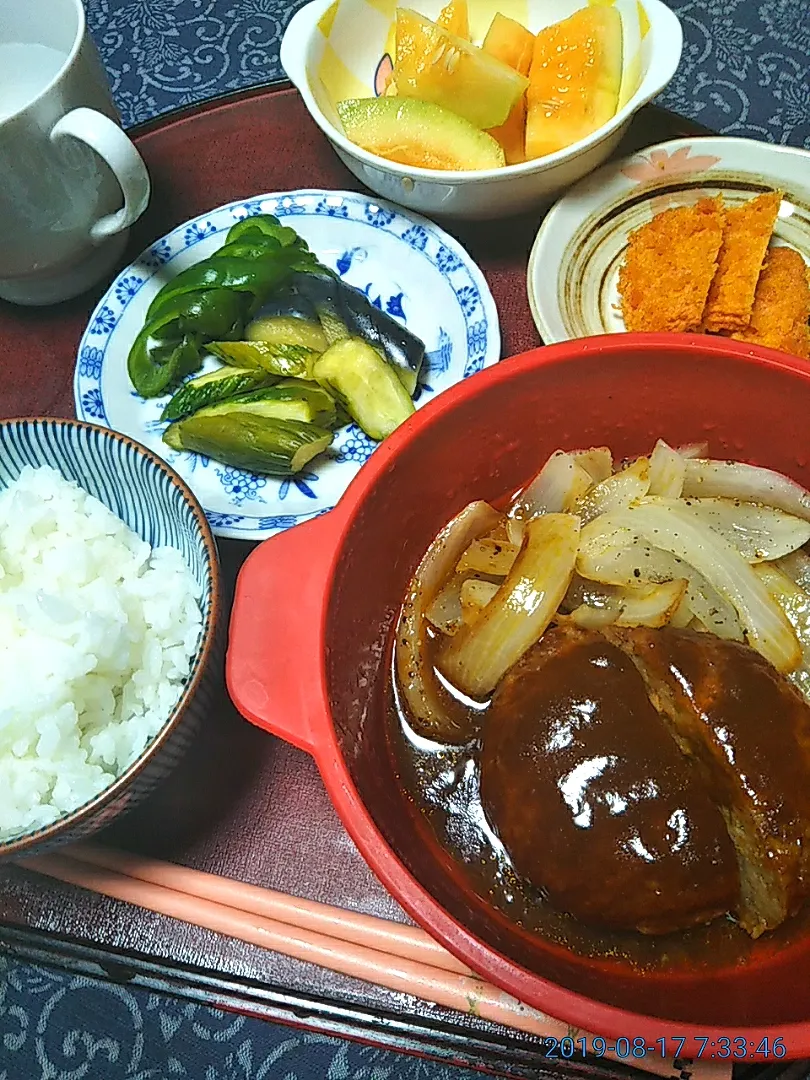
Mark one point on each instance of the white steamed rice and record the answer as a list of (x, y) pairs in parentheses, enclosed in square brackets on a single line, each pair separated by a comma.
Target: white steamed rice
[(97, 635)]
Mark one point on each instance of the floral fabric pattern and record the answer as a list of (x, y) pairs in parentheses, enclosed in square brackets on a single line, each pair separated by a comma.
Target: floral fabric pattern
[(56, 1026), (745, 68)]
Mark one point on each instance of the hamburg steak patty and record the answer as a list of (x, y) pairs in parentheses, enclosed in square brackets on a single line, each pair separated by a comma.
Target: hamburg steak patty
[(593, 800)]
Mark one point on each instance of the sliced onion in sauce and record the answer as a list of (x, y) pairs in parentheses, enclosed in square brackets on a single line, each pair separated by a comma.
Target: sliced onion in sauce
[(597, 462), (667, 471), (587, 617), (619, 490), (614, 554), (683, 615), (555, 489), (676, 538), (760, 533), (706, 477), (591, 593), (652, 605), (479, 655), (444, 611), (487, 556), (644, 605), (672, 528), (515, 528), (431, 711), (797, 567), (694, 450), (475, 595), (795, 603)]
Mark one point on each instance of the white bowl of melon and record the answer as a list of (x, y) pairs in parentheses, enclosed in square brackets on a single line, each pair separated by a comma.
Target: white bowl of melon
[(478, 108)]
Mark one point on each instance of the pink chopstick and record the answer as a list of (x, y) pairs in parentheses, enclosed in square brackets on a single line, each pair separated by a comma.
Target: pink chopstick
[(409, 942)]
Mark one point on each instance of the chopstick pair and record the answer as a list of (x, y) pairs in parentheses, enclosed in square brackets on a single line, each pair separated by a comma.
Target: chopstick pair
[(401, 958)]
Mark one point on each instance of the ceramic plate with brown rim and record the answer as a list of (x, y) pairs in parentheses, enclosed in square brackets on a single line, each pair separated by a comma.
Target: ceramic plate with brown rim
[(574, 264)]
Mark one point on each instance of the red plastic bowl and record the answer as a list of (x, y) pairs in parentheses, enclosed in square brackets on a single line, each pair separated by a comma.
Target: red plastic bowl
[(314, 610)]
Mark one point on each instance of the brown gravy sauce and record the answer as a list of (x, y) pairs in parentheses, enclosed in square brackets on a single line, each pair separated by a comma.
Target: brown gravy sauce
[(442, 787)]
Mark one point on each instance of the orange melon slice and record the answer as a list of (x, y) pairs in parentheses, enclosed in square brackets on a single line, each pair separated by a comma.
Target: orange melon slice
[(435, 65), (510, 42), (574, 79), (513, 44), (455, 18)]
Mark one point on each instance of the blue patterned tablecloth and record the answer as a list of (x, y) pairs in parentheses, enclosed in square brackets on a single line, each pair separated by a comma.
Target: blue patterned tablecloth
[(745, 71)]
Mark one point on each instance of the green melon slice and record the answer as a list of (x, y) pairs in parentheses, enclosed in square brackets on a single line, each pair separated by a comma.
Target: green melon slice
[(418, 133)]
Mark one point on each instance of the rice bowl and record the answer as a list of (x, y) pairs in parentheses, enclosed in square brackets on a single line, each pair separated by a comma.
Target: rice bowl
[(98, 631), (109, 604)]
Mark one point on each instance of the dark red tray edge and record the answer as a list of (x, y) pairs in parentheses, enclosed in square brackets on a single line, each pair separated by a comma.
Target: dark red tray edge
[(440, 1040)]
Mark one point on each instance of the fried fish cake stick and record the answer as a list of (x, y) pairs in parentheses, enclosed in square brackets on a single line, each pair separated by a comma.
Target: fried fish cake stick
[(669, 266), (746, 235), (781, 305)]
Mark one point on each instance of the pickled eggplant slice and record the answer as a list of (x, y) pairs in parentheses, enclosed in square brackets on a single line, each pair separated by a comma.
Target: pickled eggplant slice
[(322, 293), (288, 330), (292, 400), (213, 387), (281, 359), (346, 312), (286, 302), (244, 440), (365, 385)]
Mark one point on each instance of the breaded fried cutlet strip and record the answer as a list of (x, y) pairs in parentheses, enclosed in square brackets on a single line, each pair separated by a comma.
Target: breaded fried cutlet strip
[(746, 234), (669, 266), (779, 318)]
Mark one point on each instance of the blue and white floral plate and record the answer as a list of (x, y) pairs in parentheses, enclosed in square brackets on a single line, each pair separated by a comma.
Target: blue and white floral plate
[(405, 265)]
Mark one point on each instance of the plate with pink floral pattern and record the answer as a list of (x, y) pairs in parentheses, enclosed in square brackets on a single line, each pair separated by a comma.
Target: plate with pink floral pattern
[(574, 265)]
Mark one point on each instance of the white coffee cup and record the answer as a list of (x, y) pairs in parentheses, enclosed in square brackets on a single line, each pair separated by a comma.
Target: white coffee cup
[(65, 162)]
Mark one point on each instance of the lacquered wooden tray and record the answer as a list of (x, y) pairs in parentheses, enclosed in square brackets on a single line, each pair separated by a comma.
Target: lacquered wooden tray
[(243, 804)]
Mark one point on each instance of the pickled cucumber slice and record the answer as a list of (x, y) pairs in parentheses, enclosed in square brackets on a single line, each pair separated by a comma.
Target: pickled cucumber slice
[(281, 359), (247, 441), (292, 400), (213, 387), (287, 330), (366, 385)]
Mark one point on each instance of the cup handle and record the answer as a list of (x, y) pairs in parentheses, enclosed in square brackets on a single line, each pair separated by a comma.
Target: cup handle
[(273, 668), (110, 143)]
